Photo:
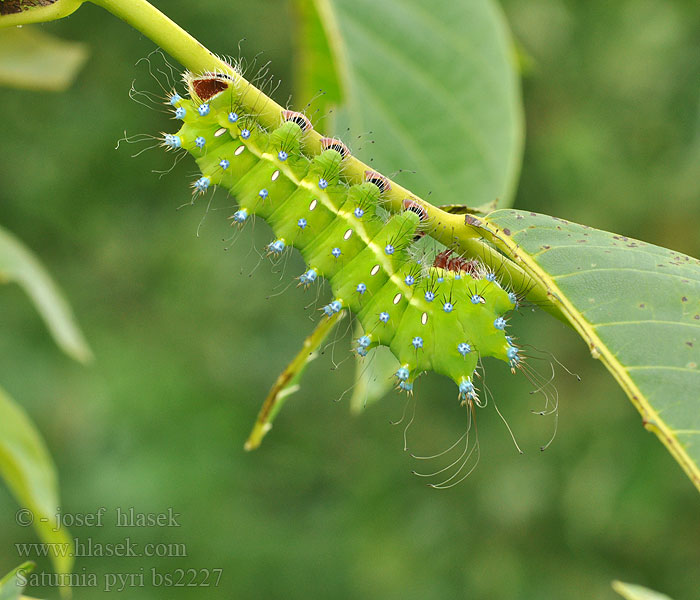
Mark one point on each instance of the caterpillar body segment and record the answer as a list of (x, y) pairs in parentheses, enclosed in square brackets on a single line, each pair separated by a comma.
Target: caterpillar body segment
[(443, 317)]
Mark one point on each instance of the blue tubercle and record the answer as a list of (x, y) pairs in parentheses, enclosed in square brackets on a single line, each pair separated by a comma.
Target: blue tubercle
[(512, 354), (224, 164), (410, 280), (282, 155), (240, 215), (180, 112), (175, 98), (429, 296), (199, 141), (384, 317), (466, 389), (361, 288), (389, 249), (417, 342), (203, 109), (499, 323), (361, 351), (308, 277), (364, 341), (406, 386), (476, 299), (202, 184), (172, 141), (490, 276), (336, 252), (276, 247), (232, 117), (358, 212), (403, 373), (440, 279), (448, 307), (322, 183), (333, 307), (263, 193), (245, 134), (464, 348), (513, 297), (301, 223)]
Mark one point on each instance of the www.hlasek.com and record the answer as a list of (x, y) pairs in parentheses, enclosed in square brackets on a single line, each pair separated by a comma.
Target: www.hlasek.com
[(88, 547), (118, 582)]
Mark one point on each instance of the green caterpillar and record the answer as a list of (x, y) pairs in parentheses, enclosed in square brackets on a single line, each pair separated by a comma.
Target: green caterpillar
[(441, 318)]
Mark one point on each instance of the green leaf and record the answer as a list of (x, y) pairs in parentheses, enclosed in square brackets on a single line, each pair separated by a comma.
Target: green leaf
[(12, 585), (34, 60), (19, 265), (27, 468), (315, 78), (374, 377), (630, 591), (636, 305), (436, 84), (288, 381)]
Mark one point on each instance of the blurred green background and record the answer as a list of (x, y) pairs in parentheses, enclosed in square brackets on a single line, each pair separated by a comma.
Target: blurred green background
[(187, 344)]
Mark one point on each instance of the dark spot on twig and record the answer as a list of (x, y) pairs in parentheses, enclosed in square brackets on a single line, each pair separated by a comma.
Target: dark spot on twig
[(9, 7), (471, 220)]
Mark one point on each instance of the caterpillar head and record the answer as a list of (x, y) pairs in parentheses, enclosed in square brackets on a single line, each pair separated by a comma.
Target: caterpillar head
[(457, 264)]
